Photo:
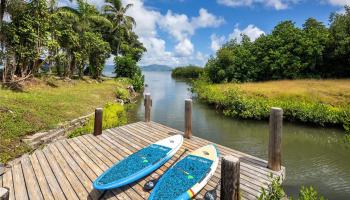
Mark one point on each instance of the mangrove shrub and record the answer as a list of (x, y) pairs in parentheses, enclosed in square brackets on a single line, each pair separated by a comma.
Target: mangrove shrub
[(288, 52)]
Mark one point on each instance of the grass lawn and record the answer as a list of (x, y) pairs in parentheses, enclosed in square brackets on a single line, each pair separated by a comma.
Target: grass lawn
[(43, 105), (332, 92), (321, 102)]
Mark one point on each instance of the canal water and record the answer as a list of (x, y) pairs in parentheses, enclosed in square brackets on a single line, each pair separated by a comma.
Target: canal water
[(312, 156)]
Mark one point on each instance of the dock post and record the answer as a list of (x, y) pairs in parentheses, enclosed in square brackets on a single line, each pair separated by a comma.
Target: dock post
[(148, 104), (4, 193), (188, 118), (230, 169), (98, 121), (275, 139)]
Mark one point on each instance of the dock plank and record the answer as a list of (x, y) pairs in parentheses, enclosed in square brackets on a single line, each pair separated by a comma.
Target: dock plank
[(19, 183), (69, 174), (50, 177), (8, 182), (66, 169), (77, 170), (39, 174), (32, 184)]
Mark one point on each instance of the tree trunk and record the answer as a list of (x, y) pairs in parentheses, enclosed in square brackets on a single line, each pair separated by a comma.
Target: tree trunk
[(2, 10), (72, 65)]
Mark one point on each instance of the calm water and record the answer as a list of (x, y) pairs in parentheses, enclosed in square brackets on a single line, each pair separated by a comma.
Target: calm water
[(312, 156)]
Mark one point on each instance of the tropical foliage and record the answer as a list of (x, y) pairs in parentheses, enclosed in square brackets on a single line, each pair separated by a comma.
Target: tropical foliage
[(126, 66), (275, 192), (190, 71), (113, 115), (288, 52), (307, 101), (43, 37)]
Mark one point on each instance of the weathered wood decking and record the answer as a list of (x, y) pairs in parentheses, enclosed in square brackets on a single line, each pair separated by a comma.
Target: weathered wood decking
[(66, 169)]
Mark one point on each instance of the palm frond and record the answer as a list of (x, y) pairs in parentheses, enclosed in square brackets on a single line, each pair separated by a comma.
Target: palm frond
[(130, 20), (109, 9), (128, 6), (67, 9), (67, 15), (101, 20), (117, 4)]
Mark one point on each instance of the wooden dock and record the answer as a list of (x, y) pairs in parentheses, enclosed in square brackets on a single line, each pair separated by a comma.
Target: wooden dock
[(66, 169)]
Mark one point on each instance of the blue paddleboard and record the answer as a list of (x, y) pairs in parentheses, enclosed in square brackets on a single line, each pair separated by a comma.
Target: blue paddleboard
[(188, 176), (139, 164)]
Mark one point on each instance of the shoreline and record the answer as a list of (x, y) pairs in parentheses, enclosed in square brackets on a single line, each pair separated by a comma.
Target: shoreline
[(253, 102)]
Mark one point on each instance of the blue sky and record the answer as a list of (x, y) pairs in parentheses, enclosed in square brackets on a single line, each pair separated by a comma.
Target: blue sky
[(181, 32)]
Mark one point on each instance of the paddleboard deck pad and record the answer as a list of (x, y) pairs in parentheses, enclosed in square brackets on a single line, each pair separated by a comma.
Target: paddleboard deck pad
[(139, 164), (187, 177)]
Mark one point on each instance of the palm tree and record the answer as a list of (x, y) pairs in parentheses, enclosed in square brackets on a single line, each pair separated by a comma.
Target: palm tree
[(115, 11), (84, 18)]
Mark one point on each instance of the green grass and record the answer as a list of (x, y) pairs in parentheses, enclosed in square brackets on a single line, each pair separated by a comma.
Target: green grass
[(122, 93), (44, 104), (113, 115), (320, 102)]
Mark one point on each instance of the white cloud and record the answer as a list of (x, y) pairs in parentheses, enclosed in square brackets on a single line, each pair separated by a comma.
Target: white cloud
[(251, 31), (184, 48), (235, 3), (206, 19), (339, 2), (182, 27), (216, 42), (62, 3), (146, 19), (276, 4), (178, 25), (201, 58), (98, 3)]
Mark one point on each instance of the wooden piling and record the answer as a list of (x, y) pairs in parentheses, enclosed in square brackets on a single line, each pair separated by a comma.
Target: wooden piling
[(98, 121), (148, 105), (188, 118), (275, 139), (4, 193), (230, 170)]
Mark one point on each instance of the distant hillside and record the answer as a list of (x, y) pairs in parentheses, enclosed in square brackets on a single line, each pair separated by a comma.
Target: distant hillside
[(156, 68)]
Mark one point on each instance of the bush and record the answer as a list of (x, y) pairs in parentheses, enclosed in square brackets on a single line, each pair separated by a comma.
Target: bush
[(347, 138), (113, 115), (122, 93), (138, 81), (236, 103), (187, 72), (309, 194), (126, 67), (275, 192)]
